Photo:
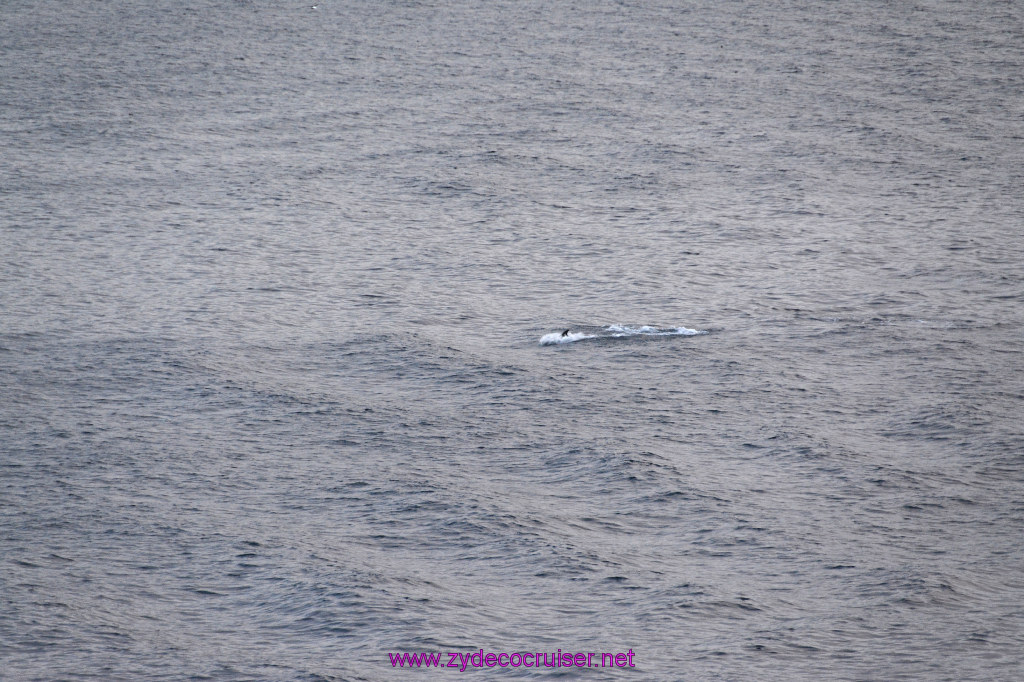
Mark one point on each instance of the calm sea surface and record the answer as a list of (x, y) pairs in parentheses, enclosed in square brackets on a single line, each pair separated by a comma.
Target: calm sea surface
[(274, 279)]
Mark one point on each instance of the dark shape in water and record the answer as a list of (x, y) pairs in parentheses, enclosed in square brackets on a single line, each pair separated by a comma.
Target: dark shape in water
[(565, 333)]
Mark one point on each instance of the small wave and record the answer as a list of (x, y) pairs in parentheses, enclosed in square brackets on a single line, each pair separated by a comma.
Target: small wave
[(616, 331), (551, 339), (624, 330)]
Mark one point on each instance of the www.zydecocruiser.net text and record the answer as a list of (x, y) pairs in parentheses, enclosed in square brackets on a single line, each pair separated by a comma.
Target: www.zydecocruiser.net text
[(516, 659)]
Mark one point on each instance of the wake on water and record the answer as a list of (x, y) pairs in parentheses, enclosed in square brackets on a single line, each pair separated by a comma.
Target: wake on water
[(617, 331)]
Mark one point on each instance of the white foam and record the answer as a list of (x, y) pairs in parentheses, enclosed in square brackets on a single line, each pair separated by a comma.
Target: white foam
[(618, 331), (551, 339), (690, 332)]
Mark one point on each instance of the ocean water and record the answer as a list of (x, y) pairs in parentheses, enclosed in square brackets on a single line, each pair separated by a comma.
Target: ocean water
[(283, 386)]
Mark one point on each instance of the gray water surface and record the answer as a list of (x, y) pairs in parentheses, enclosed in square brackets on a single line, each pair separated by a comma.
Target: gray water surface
[(274, 279)]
